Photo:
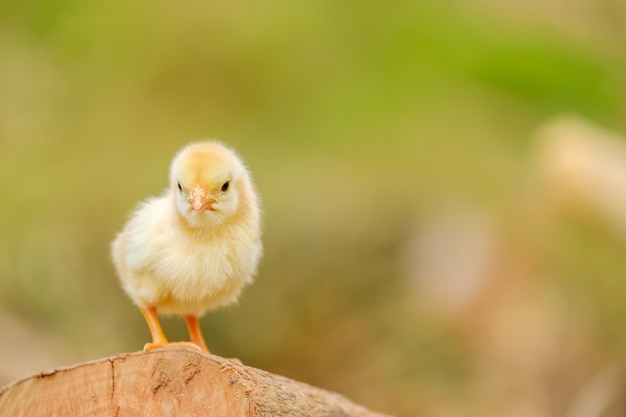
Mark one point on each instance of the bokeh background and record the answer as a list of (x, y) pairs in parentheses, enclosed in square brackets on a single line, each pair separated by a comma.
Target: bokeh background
[(444, 187)]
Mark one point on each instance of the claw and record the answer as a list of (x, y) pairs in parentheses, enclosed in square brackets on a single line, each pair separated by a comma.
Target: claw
[(171, 345)]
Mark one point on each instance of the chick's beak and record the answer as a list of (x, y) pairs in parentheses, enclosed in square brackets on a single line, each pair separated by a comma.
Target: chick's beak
[(200, 203)]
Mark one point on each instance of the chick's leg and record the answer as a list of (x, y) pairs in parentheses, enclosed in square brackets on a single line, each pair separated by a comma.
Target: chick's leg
[(195, 334), (158, 338)]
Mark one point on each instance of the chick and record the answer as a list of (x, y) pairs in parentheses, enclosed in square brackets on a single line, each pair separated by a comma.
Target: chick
[(196, 246)]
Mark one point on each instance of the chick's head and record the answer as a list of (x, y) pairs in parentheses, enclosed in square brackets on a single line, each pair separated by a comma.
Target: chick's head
[(206, 179)]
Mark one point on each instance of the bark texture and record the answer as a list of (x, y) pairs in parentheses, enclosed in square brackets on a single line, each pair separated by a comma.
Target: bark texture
[(169, 382)]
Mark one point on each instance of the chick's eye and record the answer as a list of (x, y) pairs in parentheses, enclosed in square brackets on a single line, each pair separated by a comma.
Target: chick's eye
[(225, 186), (180, 188)]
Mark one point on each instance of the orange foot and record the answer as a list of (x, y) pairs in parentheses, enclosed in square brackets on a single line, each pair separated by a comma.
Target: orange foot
[(171, 345)]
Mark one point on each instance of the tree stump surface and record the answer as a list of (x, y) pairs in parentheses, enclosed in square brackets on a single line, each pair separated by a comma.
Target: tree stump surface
[(169, 382)]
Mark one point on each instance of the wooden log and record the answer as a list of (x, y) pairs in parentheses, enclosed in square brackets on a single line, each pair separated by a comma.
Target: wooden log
[(169, 382)]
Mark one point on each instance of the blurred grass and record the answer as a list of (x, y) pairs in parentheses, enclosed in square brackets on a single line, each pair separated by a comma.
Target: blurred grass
[(358, 120)]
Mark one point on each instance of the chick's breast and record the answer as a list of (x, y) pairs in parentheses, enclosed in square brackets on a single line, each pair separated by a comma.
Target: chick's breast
[(180, 270)]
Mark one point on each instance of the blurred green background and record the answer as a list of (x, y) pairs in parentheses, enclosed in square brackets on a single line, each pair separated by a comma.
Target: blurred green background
[(415, 258)]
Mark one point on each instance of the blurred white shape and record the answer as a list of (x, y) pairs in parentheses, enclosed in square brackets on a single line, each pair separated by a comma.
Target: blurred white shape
[(448, 260), (583, 167), (599, 394)]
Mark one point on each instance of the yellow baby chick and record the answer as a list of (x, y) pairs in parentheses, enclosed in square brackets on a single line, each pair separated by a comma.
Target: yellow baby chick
[(197, 245)]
